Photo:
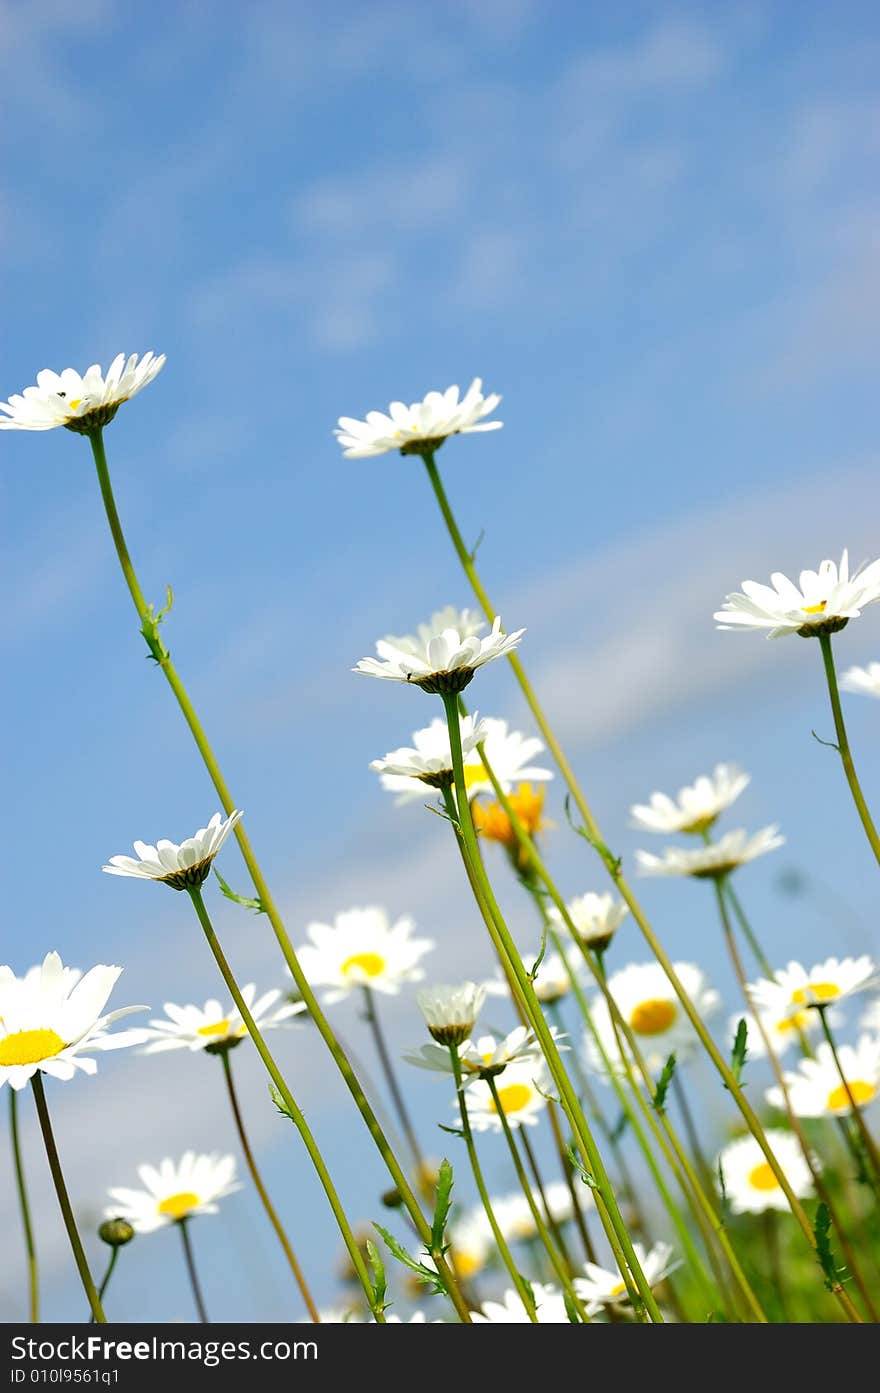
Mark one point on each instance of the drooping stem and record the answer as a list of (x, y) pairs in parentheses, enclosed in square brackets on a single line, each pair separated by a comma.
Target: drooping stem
[(606, 1202), (849, 768), (394, 1089), (507, 1258), (858, 1117), (30, 1246), (108, 1273), (611, 864), (183, 1225), (267, 903), (64, 1200), (292, 1108), (260, 1188)]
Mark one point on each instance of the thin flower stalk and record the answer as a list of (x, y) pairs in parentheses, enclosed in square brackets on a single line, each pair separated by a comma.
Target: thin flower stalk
[(503, 1248), (64, 1200), (271, 1212), (150, 631), (189, 1259), (24, 1205), (606, 1202), (549, 1218), (857, 1114), (108, 1273), (403, 1117), (844, 748)]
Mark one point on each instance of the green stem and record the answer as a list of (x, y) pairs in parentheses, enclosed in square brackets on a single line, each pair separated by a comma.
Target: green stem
[(606, 1203), (260, 1188), (30, 1246), (183, 1225), (858, 1118), (114, 1254), (293, 1110), (612, 866), (503, 1248), (260, 884), (403, 1116), (550, 1221), (556, 1258), (64, 1200), (844, 749), (759, 955)]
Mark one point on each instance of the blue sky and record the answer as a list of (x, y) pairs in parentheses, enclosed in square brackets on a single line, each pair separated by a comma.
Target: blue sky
[(653, 228)]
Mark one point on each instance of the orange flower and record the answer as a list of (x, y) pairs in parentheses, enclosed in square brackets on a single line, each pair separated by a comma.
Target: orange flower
[(492, 822)]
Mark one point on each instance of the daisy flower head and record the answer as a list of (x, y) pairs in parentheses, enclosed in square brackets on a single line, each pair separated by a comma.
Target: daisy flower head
[(450, 1012), (484, 1056), (794, 989), (782, 1028), (175, 1190), (523, 1094), (595, 917), (864, 680), (514, 1215), (81, 403), (823, 601), (696, 806), (549, 1308), (713, 861), (471, 1242), (648, 1004), (429, 760), (52, 1022), (449, 661), (216, 1028), (363, 948), (181, 867), (815, 1089), (420, 428), (493, 823), (601, 1287), (749, 1182), (509, 754)]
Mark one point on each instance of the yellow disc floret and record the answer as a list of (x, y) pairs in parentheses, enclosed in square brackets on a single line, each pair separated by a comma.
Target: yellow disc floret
[(29, 1047)]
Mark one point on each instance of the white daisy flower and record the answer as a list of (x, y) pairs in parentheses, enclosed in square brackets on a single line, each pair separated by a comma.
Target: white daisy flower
[(362, 948), (451, 1012), (471, 1242), (523, 1091), (551, 984), (484, 1055), (709, 862), (214, 1027), (177, 866), (509, 754), (826, 600), (450, 661), (596, 917), (338, 1315), (468, 622), (794, 987), (549, 1308), (52, 1021), (815, 1089), (749, 1182), (781, 1026), (175, 1190), (83, 404), (602, 1287), (422, 426), (514, 1216), (647, 1002), (864, 680), (696, 806), (429, 759)]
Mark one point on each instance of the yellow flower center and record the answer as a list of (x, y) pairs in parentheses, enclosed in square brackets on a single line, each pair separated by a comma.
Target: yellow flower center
[(29, 1047), (815, 991), (653, 1017), (218, 1028), (475, 774), (815, 609), (178, 1206), (799, 1021), (466, 1264), (761, 1177), (861, 1090), (369, 963), (75, 403), (492, 822), (513, 1098), (619, 1290)]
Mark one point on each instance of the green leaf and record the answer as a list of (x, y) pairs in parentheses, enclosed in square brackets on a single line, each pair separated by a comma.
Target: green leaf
[(150, 628), (824, 1256), (571, 1309), (429, 1275), (453, 1131), (248, 903), (540, 958), (577, 1165), (441, 1207), (721, 1183), (658, 1102), (740, 1051), (279, 1102), (380, 1284), (613, 863)]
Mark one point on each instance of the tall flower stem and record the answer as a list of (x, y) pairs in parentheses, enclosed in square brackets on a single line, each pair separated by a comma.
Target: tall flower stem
[(858, 1117), (183, 1225), (560, 1266), (693, 1136), (549, 1219), (606, 1203), (64, 1200), (843, 746), (108, 1273), (30, 1246), (613, 867), (507, 1258), (150, 631), (571, 1185), (260, 1188), (403, 1117), (793, 1120), (291, 1107)]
